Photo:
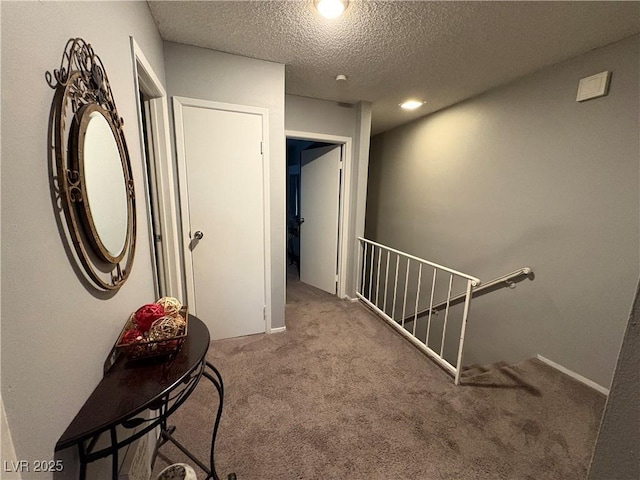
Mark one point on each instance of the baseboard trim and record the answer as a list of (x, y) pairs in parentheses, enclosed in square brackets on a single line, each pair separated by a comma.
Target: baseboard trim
[(278, 330), (347, 297), (574, 375)]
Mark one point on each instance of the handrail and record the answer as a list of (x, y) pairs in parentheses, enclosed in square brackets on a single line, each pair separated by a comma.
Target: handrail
[(380, 285), (506, 279), (374, 276), (474, 281)]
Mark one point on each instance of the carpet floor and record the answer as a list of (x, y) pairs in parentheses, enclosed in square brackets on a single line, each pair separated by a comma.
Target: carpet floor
[(340, 395)]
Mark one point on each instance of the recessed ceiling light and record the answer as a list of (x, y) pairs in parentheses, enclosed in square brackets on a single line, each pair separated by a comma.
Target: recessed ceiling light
[(411, 104), (331, 8)]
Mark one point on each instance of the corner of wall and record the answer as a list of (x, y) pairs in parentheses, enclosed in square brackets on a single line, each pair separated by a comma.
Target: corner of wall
[(8, 452), (618, 445), (363, 140)]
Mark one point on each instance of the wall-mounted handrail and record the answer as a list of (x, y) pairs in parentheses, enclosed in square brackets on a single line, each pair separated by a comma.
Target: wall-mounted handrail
[(474, 281), (502, 281)]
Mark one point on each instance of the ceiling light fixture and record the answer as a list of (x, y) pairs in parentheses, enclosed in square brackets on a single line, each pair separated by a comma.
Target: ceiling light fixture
[(331, 8), (411, 104)]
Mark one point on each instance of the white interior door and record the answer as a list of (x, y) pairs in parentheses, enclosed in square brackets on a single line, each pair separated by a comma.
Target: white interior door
[(225, 244), (319, 206)]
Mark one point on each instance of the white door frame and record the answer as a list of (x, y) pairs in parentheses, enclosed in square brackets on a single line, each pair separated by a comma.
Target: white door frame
[(345, 197), (146, 80), (178, 104)]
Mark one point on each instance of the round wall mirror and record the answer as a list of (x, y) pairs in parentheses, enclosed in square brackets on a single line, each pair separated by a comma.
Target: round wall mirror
[(92, 168)]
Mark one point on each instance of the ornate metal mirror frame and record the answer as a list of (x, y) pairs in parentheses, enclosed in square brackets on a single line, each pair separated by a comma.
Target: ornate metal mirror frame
[(92, 167)]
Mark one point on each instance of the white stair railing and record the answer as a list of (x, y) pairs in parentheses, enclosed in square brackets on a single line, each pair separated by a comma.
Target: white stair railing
[(390, 298)]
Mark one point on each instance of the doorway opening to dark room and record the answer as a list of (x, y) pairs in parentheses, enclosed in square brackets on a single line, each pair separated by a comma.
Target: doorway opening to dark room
[(314, 179)]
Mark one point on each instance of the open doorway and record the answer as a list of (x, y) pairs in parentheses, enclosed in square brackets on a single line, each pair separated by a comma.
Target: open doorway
[(294, 219), (314, 209), (152, 192), (153, 122)]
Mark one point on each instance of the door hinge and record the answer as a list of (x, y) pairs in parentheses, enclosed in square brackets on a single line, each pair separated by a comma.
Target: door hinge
[(341, 164), (264, 312), (261, 148)]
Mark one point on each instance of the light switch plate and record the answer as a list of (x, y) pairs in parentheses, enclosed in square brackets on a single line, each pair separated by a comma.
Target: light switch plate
[(593, 87)]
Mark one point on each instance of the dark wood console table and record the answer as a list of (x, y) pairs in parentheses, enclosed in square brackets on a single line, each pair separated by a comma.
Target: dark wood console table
[(143, 394)]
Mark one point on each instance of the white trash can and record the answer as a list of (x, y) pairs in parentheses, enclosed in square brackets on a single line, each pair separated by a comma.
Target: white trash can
[(177, 471)]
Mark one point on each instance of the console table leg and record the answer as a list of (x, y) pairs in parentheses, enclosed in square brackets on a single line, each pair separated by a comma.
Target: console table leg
[(83, 461), (114, 455), (166, 433), (217, 382)]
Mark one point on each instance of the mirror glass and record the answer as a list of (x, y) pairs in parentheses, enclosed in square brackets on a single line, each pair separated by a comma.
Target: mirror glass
[(105, 184)]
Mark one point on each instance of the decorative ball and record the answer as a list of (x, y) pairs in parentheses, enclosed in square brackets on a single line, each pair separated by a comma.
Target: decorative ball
[(171, 305), (147, 314), (131, 336), (166, 327)]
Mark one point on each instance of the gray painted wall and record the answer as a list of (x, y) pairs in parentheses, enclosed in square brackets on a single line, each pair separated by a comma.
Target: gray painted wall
[(210, 75), (55, 333), (320, 116), (330, 118), (617, 452), (6, 445), (524, 175)]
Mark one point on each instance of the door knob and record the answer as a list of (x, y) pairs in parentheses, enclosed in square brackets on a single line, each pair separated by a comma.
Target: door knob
[(198, 235)]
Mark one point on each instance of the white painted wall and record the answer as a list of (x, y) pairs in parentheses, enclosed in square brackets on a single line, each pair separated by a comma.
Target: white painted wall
[(210, 75), (525, 176), (310, 115), (55, 333)]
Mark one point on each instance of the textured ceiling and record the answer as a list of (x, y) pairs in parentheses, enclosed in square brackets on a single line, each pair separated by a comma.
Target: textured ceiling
[(441, 52)]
